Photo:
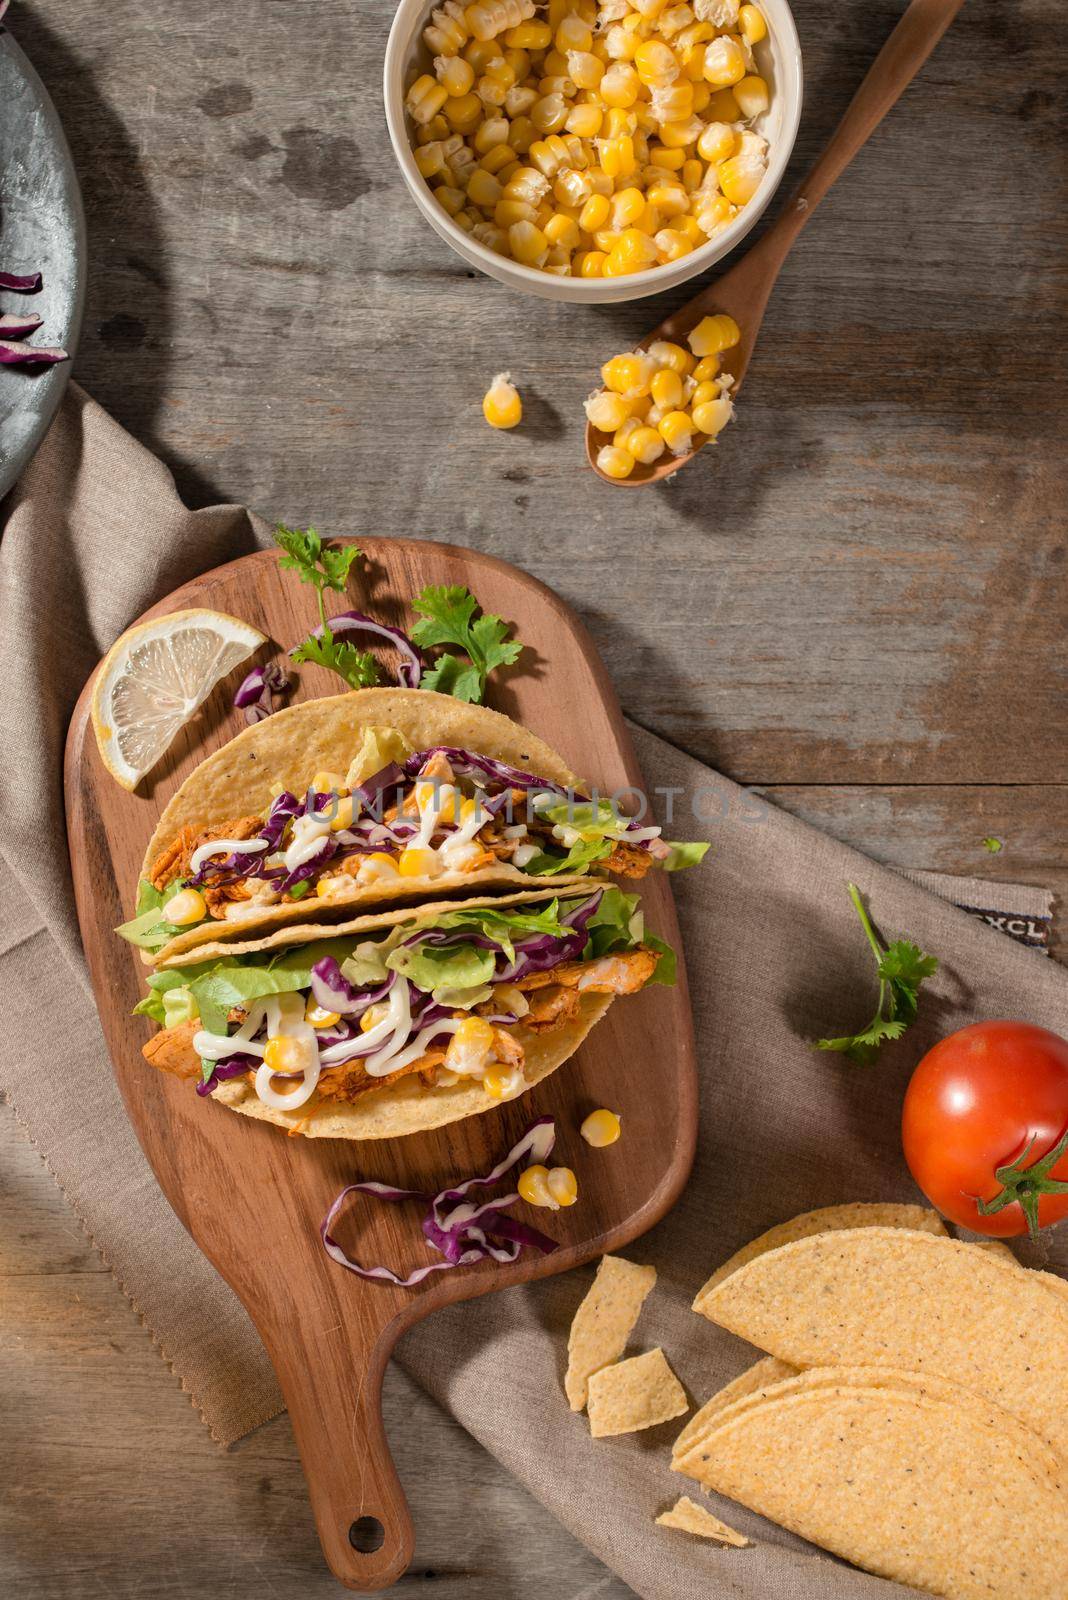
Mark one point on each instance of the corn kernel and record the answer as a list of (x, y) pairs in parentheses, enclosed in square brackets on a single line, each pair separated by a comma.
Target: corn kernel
[(584, 69), (562, 232), (429, 158), (644, 444), (448, 31), (285, 1054), (343, 815), (372, 1017), (594, 213), (716, 143), (606, 411), (666, 389), (723, 107), (620, 86), (585, 121), (677, 135), (617, 156), (463, 112), (415, 863), (670, 199), (529, 36), (562, 1186), (724, 62), (600, 1128), (573, 34), (714, 212), (185, 908), (704, 392), (707, 368), (672, 244), (502, 1083), (670, 160), (484, 189), (752, 24), (713, 416), (488, 18), (629, 374), (549, 113), (713, 334), (627, 207), (621, 44), (676, 430), (692, 229), (655, 64), (572, 188), (634, 250), (425, 98), (662, 353), (615, 463), (528, 185), (318, 1016), (528, 244), (752, 96), (674, 20), (673, 104), (450, 199), (522, 134), (505, 212), (740, 178), (497, 159), (454, 73), (480, 52), (591, 264)]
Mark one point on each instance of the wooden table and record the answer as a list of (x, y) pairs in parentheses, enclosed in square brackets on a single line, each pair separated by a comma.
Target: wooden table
[(857, 602)]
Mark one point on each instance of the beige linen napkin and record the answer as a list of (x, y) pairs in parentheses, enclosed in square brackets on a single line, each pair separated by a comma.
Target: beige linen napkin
[(93, 535)]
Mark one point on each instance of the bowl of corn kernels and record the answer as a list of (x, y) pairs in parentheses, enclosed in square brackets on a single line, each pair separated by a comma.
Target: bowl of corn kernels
[(592, 150)]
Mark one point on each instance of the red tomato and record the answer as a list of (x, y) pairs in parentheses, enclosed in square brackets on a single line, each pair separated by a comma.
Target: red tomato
[(975, 1103)]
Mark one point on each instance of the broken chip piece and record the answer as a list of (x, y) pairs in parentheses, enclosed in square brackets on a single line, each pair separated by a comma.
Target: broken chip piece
[(603, 1322), (634, 1394), (691, 1518)]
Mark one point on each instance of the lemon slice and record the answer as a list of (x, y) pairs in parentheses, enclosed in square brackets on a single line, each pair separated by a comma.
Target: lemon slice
[(155, 678)]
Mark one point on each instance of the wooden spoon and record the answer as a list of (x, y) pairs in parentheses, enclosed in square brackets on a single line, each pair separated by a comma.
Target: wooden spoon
[(743, 292)]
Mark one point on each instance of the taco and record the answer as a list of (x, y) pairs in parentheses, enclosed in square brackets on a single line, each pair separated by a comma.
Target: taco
[(395, 1023), (363, 799)]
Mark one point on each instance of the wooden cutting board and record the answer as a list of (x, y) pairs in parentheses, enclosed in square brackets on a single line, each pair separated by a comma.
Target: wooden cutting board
[(252, 1198)]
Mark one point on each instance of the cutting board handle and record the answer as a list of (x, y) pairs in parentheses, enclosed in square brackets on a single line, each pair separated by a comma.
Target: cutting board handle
[(334, 1399)]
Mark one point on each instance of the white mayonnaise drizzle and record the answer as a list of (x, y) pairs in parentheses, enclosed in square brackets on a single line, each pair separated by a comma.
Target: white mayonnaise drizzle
[(523, 853), (224, 847), (394, 1027), (308, 833), (285, 1019)]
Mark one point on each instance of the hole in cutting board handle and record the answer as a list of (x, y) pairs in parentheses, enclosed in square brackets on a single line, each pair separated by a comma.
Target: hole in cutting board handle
[(367, 1535)]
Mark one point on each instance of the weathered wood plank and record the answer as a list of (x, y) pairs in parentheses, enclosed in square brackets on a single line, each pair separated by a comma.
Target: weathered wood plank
[(115, 1488), (863, 583)]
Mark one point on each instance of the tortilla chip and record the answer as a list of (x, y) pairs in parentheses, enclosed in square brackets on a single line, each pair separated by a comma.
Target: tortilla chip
[(994, 1247), (909, 1486), (691, 1518), (634, 1394), (754, 1380), (603, 1322), (858, 1214), (690, 1447), (890, 1297), (287, 749)]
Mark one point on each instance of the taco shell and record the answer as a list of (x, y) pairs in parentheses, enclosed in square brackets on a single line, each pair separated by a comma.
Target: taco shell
[(920, 1486), (902, 1298), (286, 750)]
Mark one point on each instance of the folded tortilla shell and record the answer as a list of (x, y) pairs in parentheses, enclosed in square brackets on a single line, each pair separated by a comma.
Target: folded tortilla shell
[(891, 1297), (859, 1214), (690, 1447), (285, 751), (909, 1486)]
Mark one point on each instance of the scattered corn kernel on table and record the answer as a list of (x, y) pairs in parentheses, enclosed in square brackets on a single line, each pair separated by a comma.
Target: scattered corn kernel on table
[(855, 601)]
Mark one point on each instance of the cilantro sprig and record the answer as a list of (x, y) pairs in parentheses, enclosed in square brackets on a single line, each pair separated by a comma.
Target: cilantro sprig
[(902, 967), (326, 568), (447, 617)]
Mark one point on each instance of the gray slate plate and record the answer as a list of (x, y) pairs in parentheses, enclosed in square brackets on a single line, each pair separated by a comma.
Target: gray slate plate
[(42, 229)]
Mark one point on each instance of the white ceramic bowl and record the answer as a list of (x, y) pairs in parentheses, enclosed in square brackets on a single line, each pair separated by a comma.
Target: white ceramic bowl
[(779, 60)]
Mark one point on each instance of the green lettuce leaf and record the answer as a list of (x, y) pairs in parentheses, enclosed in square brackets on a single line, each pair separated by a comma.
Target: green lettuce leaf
[(150, 930), (443, 969), (580, 856), (684, 855)]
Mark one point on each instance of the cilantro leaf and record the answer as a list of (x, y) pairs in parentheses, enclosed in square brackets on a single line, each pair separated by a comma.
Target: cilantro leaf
[(901, 967), (312, 561), (358, 667), (447, 617), (992, 844)]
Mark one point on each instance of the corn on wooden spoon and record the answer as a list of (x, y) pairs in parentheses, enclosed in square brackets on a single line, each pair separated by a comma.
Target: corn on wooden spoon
[(743, 292)]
